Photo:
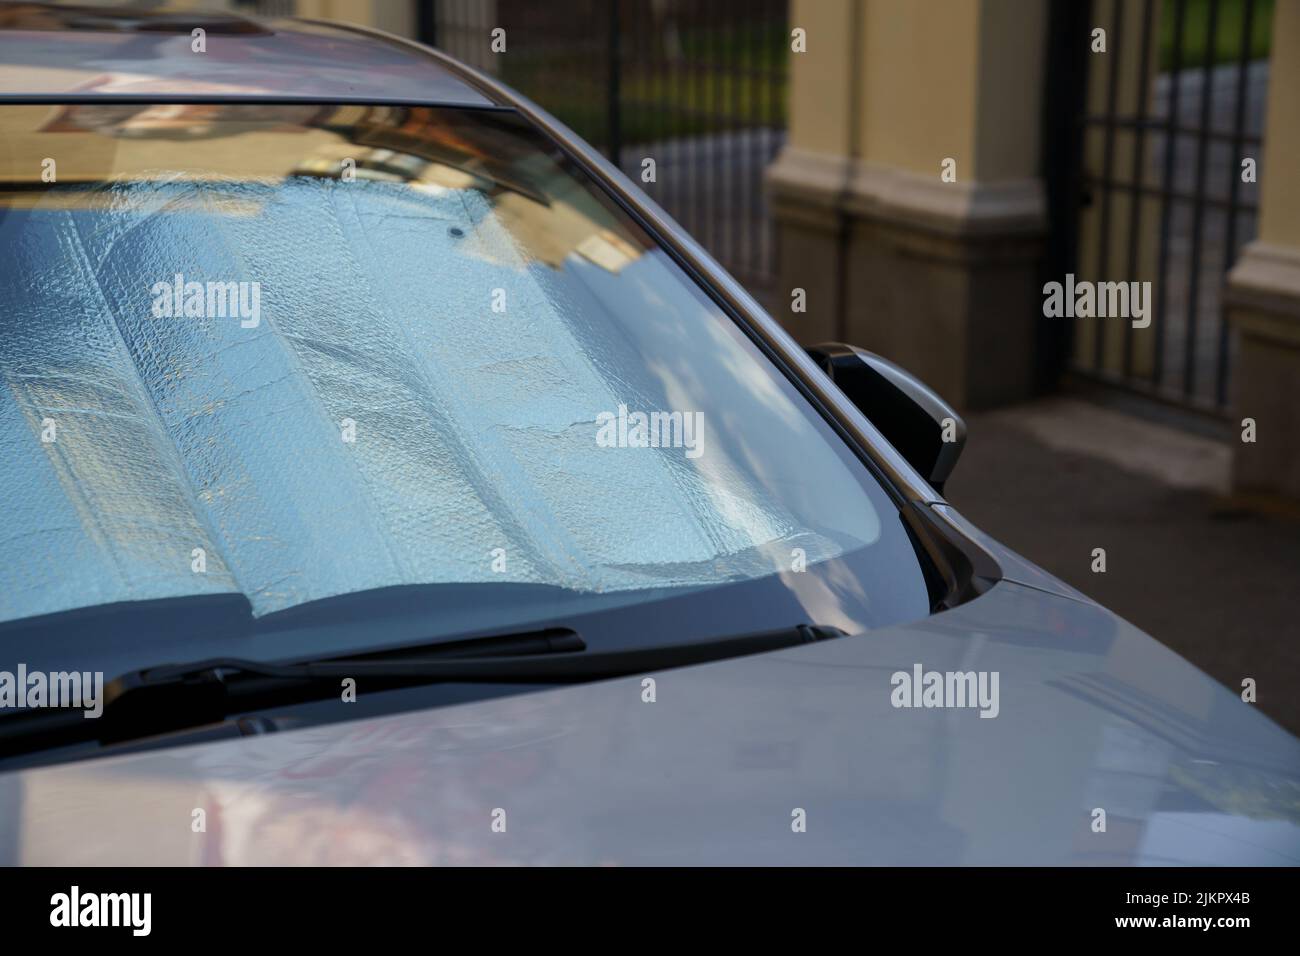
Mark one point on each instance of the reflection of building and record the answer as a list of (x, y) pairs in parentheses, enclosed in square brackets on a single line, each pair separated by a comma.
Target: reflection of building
[(98, 143)]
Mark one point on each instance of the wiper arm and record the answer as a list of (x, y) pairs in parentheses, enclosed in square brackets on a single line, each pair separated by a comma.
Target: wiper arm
[(524, 668), (162, 699)]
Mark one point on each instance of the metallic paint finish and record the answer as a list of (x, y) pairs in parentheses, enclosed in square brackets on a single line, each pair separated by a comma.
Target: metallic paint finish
[(1092, 714), (1012, 566), (107, 58)]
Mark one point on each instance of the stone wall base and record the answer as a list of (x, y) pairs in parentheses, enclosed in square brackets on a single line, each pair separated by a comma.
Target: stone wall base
[(1263, 301), (941, 278)]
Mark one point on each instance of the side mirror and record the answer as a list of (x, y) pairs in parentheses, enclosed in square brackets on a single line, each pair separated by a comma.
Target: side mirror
[(921, 425)]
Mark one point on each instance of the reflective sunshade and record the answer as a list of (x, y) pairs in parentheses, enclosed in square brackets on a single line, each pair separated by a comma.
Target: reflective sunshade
[(298, 352)]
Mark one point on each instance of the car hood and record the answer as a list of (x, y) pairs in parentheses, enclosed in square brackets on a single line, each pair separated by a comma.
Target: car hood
[(793, 757)]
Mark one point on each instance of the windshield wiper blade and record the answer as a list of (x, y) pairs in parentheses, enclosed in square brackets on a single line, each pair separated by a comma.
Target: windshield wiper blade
[(476, 668), (163, 699), (171, 697)]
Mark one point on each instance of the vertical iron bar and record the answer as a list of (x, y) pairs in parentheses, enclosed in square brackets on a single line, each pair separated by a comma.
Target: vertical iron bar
[(717, 236), (722, 143), (843, 224), (1198, 207), (1061, 163), (726, 144), (1136, 198), (754, 145), (1234, 173), (1166, 186), (739, 164), (1108, 169), (662, 102), (772, 133), (615, 76), (677, 87), (697, 124), (426, 22), (474, 40), (656, 66)]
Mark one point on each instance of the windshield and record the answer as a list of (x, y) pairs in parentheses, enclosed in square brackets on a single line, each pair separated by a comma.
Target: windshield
[(284, 354)]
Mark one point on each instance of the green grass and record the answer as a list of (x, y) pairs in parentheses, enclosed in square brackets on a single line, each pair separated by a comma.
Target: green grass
[(1227, 33)]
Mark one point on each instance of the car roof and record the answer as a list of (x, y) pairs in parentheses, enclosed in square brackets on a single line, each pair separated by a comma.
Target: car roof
[(50, 52)]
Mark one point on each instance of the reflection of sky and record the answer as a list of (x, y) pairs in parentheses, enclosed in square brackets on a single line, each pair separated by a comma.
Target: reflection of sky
[(699, 360)]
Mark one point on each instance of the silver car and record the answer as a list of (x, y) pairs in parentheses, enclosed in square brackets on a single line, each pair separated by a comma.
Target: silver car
[(386, 479)]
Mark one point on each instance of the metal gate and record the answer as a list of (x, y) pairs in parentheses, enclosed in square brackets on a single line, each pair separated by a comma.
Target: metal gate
[(696, 88), (1168, 155)]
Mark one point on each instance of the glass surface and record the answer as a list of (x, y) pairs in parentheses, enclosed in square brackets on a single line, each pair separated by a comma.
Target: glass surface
[(293, 353)]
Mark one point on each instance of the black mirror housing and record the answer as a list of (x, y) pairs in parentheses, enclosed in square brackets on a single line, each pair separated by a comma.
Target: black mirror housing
[(913, 418)]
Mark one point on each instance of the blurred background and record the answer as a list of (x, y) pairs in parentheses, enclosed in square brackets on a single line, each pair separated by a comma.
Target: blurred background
[(913, 173)]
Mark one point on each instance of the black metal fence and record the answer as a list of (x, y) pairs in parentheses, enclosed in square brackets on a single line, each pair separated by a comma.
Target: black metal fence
[(696, 88), (1170, 130)]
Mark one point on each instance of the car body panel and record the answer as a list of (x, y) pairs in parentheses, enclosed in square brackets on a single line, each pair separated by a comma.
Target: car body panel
[(1092, 714), (59, 53), (1011, 566)]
